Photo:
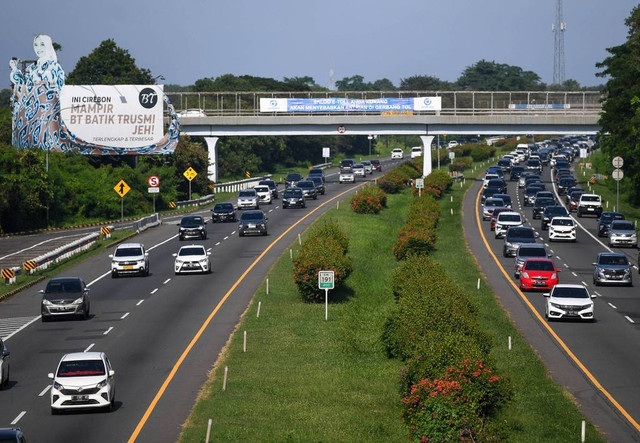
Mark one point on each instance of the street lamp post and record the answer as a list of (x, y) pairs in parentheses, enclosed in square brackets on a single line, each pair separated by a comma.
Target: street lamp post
[(370, 137)]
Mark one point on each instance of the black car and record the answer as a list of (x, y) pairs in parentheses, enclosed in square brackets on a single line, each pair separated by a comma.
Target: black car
[(319, 182), (604, 223), (223, 212), (253, 222), (347, 163), (567, 197), (550, 212), (272, 186), (530, 193), (497, 183), (316, 172), (534, 165), (293, 197), (516, 172), (540, 204), (308, 189), (506, 198), (192, 226), (564, 183), (515, 236), (489, 192), (505, 164), (12, 435), (60, 298), (292, 180)]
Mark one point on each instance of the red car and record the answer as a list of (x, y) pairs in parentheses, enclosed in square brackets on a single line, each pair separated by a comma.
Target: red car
[(494, 216), (538, 273), (375, 165)]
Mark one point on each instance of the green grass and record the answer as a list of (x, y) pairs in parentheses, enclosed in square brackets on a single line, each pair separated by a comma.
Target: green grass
[(24, 280), (306, 379)]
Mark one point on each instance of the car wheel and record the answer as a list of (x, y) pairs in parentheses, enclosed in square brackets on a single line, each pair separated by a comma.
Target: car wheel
[(114, 275), (180, 238), (315, 197), (579, 214), (86, 314), (45, 319), (596, 282), (240, 234), (54, 411), (264, 233)]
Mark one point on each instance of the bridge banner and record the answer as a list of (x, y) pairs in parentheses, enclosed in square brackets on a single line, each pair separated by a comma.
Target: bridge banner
[(539, 106), (336, 104)]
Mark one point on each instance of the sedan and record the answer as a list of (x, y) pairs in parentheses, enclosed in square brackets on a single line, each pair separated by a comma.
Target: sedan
[(253, 222), (293, 197), (623, 233), (83, 380), (368, 169), (538, 273), (223, 212), (248, 199), (192, 258), (569, 301), (319, 182), (505, 221), (612, 268), (490, 205), (308, 189), (65, 296)]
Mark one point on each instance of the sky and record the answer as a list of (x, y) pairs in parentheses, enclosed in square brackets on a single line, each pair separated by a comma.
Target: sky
[(187, 40)]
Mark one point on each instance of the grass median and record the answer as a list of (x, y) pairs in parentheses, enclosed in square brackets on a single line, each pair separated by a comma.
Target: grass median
[(304, 378)]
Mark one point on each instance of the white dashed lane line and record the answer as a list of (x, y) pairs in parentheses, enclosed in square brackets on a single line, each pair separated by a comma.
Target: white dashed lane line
[(217, 243), (140, 302), (89, 347), (574, 274), (166, 281), (233, 233), (17, 419), (124, 316), (566, 266), (225, 237), (209, 250), (612, 306), (584, 283), (44, 391), (152, 292), (630, 320), (108, 330)]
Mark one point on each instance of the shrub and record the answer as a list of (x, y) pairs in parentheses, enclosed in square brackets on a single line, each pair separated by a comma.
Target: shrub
[(481, 153), (319, 254), (419, 234), (369, 200), (459, 405), (392, 183), (330, 229)]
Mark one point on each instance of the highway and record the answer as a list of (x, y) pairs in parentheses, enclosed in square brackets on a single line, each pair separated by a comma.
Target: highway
[(162, 333), (597, 362)]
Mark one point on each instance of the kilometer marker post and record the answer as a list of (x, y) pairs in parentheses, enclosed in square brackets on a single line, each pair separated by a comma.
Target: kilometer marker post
[(326, 282)]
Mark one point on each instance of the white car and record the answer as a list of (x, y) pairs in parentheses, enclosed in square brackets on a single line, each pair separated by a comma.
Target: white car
[(358, 169), (568, 301), (192, 258), (248, 199), (129, 258), (505, 220), (264, 194), (453, 144), (4, 365), (562, 228), (416, 151), (83, 380), (397, 153), (487, 177), (368, 168), (346, 175)]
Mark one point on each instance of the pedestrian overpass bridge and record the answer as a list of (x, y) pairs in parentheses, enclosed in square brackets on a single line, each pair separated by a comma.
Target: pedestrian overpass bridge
[(228, 114)]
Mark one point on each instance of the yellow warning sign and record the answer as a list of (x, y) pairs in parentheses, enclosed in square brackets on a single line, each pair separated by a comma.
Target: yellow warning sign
[(122, 188), (190, 173)]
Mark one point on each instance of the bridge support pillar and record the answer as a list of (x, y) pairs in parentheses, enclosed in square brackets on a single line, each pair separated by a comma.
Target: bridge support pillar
[(212, 169), (426, 154)]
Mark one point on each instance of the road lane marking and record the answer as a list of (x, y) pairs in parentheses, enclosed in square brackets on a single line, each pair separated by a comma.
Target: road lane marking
[(225, 237), (45, 390), (209, 250), (166, 281), (217, 243), (108, 330), (277, 207), (152, 292), (574, 274), (124, 316), (566, 266), (233, 232), (203, 327), (270, 210), (584, 283), (17, 419), (549, 329), (140, 302), (612, 306), (11, 326), (628, 318), (89, 347)]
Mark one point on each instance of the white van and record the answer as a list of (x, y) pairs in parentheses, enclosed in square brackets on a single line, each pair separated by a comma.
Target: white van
[(416, 151)]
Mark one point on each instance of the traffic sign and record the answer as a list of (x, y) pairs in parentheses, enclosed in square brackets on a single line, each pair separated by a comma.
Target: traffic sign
[(452, 155), (325, 279), (153, 181), (419, 183), (190, 173), (122, 188), (617, 174), (617, 162), (247, 174), (154, 190), (326, 152), (341, 129)]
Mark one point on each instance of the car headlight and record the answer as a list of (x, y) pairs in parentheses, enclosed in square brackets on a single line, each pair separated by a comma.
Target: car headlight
[(525, 275), (57, 386), (201, 227), (509, 245), (141, 262), (46, 302), (554, 276), (178, 262), (203, 261), (557, 306), (77, 301), (102, 384)]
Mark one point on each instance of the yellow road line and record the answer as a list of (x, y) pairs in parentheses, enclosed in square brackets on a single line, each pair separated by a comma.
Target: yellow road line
[(562, 344), (204, 326)]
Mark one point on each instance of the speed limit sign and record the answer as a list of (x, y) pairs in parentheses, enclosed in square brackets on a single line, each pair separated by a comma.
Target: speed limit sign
[(153, 181)]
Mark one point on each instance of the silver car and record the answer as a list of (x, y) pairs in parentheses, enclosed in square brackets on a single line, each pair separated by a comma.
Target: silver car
[(612, 268), (623, 233), (248, 199)]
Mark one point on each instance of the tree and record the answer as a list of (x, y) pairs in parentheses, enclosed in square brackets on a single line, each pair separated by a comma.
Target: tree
[(383, 84), (109, 64), (621, 116), (354, 83), (423, 83), (492, 76)]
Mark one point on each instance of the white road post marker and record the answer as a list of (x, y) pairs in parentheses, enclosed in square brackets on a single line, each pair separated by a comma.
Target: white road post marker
[(583, 432), (224, 382), (209, 430), (259, 306), (267, 286), (244, 341), (509, 342), (326, 281)]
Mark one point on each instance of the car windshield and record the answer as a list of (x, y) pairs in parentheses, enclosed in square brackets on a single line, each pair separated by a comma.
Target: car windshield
[(252, 216), (270, 183), (191, 251), (538, 265), (190, 222), (294, 177), (590, 198), (81, 368), (494, 202), (247, 193), (306, 184), (619, 260), (223, 207), (262, 189), (292, 193), (555, 210), (509, 218), (622, 225), (562, 222), (128, 252), (544, 201), (532, 252), (375, 162), (520, 233), (570, 292), (63, 286)]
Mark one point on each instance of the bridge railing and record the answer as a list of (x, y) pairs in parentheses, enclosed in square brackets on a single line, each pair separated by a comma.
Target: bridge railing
[(473, 103)]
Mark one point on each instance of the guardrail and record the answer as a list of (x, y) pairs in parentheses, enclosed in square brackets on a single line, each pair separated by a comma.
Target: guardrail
[(240, 184), (197, 201), (61, 253), (146, 222), (538, 103)]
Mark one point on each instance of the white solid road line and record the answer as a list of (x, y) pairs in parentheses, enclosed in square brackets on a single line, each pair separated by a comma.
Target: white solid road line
[(124, 316), (627, 317), (140, 302), (108, 330), (44, 391), (612, 306), (89, 347), (17, 419), (21, 328), (166, 281)]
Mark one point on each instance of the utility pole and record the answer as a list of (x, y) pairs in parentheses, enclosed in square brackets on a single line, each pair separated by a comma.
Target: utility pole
[(558, 29)]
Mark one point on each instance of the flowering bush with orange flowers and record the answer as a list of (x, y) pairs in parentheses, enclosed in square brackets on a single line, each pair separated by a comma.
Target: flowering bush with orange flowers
[(369, 200), (459, 405)]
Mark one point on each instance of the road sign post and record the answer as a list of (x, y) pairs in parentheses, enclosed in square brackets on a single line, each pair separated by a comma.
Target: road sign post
[(326, 282), (121, 189), (190, 174), (154, 187), (617, 175), (419, 186)]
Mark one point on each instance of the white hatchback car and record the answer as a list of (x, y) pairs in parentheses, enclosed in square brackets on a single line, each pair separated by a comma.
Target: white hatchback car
[(264, 194), (192, 258), (416, 151), (562, 228), (569, 301), (397, 153), (83, 380)]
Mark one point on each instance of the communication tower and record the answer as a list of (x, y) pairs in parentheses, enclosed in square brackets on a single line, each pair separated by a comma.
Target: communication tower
[(558, 28)]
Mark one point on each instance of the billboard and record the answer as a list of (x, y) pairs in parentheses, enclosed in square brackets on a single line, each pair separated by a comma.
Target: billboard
[(337, 104), (128, 116)]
